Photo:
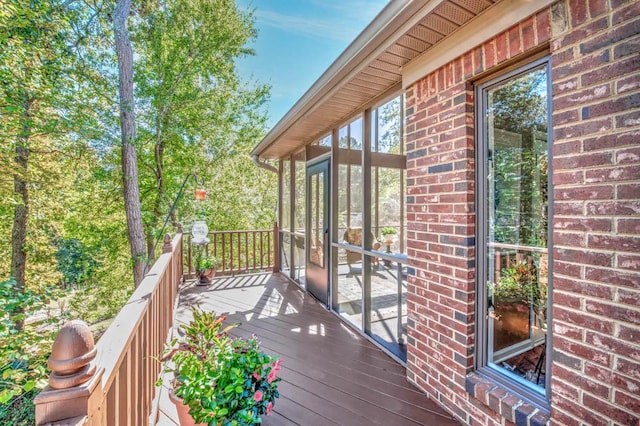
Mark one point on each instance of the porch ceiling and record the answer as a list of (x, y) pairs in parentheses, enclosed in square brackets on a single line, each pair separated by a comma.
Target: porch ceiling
[(370, 67)]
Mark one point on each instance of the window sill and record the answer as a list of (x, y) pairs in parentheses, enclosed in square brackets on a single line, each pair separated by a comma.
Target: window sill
[(508, 405)]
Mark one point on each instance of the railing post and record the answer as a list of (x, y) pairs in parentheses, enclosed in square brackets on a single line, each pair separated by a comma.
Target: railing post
[(74, 395), (276, 248)]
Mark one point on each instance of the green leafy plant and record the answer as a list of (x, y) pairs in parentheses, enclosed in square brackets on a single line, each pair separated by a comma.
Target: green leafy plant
[(519, 282), (223, 380), (202, 262), (388, 231), (23, 352)]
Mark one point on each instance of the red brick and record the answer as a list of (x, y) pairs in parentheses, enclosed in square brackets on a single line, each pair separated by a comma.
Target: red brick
[(628, 156), (612, 276), (613, 106), (615, 242), (608, 141), (606, 73), (589, 192), (573, 99), (515, 41), (583, 257), (629, 334), (579, 380), (613, 345), (560, 418), (632, 405), (585, 321), (631, 119), (583, 129), (502, 49), (571, 407), (578, 12), (584, 63), (561, 57), (528, 34), (597, 7), (566, 117), (599, 208), (543, 26), (613, 174), (582, 288), (489, 52), (570, 239), (626, 48), (566, 300), (581, 351), (632, 11), (583, 224), (617, 312), (628, 84), (611, 411), (613, 378), (571, 178), (628, 367), (628, 226), (627, 261), (568, 331), (608, 38), (567, 269), (584, 32)]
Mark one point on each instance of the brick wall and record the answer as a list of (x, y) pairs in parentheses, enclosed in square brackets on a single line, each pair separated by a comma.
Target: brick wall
[(596, 178), (441, 222)]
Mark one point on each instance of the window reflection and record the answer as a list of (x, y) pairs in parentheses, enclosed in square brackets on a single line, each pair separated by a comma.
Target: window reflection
[(517, 224)]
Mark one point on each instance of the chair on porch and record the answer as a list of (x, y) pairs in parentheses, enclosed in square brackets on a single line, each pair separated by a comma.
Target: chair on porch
[(353, 236)]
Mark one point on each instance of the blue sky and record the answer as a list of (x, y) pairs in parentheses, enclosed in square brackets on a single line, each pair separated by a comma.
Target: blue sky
[(298, 40)]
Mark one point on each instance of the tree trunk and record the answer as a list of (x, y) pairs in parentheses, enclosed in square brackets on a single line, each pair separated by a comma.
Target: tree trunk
[(21, 212), (127, 124), (160, 194)]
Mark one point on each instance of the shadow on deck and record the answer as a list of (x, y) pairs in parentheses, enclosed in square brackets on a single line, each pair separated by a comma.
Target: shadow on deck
[(331, 375)]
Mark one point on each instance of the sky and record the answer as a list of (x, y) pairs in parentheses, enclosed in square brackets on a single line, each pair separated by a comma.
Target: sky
[(298, 40)]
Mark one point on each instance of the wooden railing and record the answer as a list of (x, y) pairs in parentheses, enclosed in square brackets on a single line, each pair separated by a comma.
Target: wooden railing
[(122, 389), (237, 251), (507, 255)]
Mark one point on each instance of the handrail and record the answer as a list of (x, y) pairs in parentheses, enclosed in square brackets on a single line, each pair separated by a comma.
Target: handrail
[(127, 363), (245, 251)]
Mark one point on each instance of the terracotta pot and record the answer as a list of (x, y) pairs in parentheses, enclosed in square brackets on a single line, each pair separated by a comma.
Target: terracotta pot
[(184, 417), (206, 277)]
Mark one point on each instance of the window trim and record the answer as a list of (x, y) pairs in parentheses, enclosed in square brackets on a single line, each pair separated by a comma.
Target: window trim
[(527, 391)]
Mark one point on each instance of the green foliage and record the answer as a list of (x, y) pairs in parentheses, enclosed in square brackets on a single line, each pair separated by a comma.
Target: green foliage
[(223, 380), (519, 283), (75, 263), (23, 353), (388, 231)]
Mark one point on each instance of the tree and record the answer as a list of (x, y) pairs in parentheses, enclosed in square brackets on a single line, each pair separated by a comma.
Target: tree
[(124, 52), (195, 113), (34, 73)]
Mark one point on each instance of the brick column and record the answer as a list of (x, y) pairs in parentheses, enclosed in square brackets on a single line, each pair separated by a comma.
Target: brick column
[(596, 231)]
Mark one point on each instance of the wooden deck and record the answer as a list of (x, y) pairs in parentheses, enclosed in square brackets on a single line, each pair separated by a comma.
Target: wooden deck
[(331, 375)]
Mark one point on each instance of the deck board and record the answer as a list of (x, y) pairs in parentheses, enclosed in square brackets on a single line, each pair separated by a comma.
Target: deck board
[(331, 375)]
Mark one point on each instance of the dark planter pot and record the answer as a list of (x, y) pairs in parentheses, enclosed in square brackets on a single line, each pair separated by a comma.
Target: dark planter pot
[(207, 277)]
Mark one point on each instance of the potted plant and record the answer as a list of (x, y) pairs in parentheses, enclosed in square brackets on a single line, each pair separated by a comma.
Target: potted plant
[(220, 380), (387, 235), (516, 293), (204, 265)]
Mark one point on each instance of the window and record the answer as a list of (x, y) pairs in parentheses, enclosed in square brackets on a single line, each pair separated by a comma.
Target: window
[(513, 229)]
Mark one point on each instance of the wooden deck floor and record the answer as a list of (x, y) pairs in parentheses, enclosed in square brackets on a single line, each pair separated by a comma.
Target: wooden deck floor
[(331, 375)]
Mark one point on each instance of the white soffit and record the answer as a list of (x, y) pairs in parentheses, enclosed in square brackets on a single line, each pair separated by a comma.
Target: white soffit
[(493, 21), (406, 40)]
